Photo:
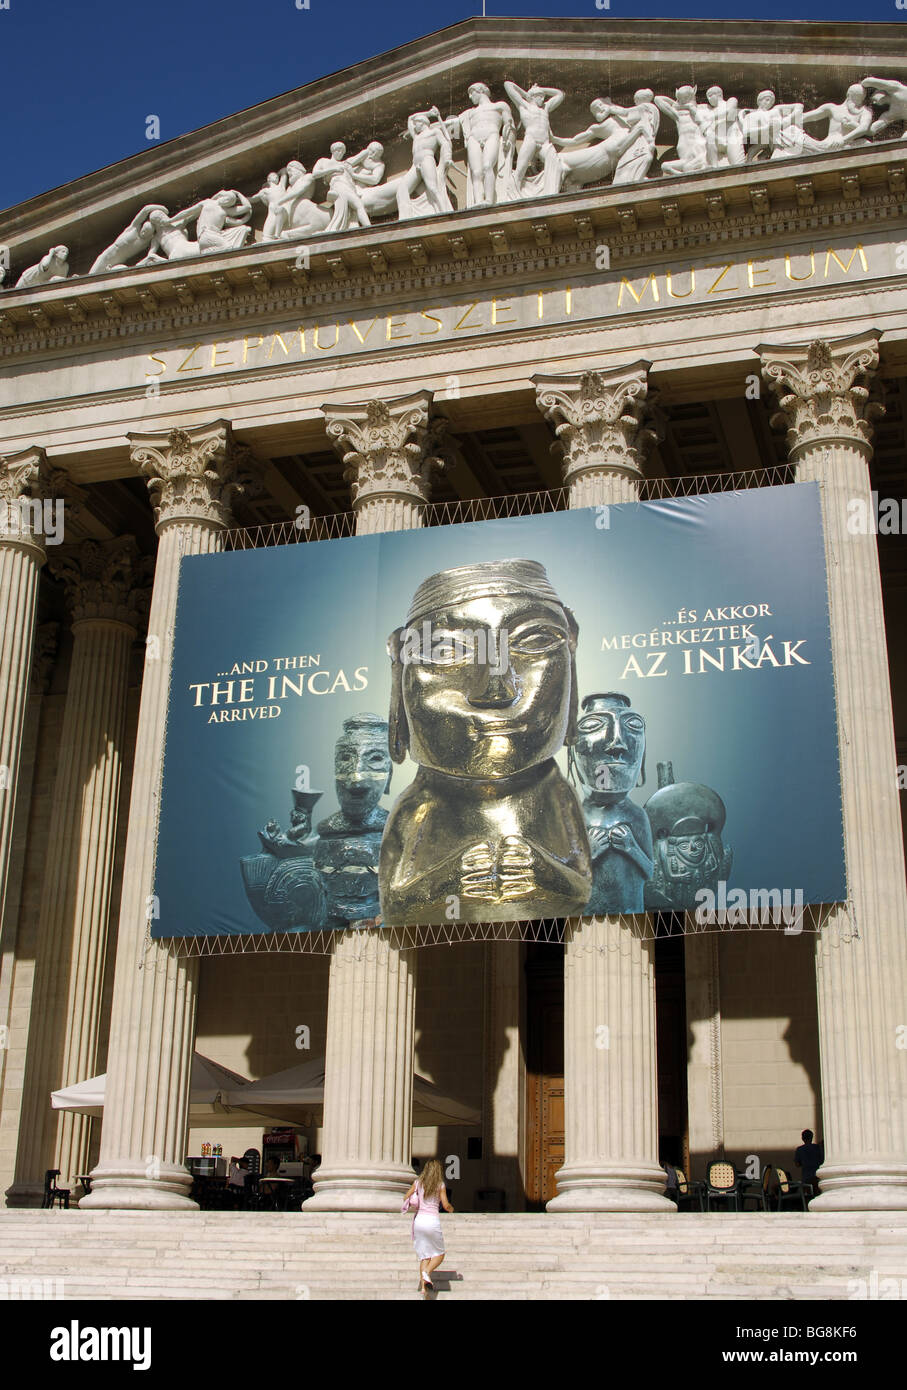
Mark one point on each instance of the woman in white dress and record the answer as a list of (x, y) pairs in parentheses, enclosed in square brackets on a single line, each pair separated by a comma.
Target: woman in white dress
[(427, 1194)]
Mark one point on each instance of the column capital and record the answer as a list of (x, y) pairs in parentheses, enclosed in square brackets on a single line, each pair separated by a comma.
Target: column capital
[(29, 483), (104, 579), (824, 391), (386, 447), (602, 419), (194, 474)]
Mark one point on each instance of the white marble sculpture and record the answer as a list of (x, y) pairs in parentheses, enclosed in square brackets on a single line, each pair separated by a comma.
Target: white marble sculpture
[(53, 266), (620, 144), (772, 128), (487, 130), (170, 240), (344, 195), (222, 221), (220, 227), (132, 241), (535, 107), (303, 216), (719, 121), (692, 149), (848, 122), (271, 194), (432, 155), (895, 108)]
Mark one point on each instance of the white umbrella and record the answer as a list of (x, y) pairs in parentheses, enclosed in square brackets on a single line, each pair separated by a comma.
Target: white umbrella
[(209, 1085), (302, 1087)]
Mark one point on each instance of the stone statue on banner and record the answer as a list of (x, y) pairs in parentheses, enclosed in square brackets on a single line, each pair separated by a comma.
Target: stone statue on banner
[(609, 759), (282, 884), (687, 820), (349, 842), (483, 697)]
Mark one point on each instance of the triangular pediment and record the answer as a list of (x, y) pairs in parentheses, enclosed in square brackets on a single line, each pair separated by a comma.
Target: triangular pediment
[(374, 100)]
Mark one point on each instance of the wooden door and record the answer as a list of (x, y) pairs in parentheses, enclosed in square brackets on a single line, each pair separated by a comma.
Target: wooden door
[(545, 1071)]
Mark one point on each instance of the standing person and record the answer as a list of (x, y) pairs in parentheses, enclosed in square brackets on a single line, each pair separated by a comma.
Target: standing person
[(429, 1193), (808, 1158)]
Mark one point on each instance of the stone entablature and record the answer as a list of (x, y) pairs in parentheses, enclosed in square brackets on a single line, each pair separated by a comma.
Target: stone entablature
[(757, 205)]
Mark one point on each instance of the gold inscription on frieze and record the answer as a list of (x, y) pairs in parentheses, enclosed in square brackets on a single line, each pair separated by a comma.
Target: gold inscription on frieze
[(184, 365), (461, 323), (788, 270), (651, 280), (355, 328), (669, 284), (646, 290), (758, 268), (326, 347), (831, 255)]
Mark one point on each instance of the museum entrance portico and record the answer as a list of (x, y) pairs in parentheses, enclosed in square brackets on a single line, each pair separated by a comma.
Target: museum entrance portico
[(743, 329)]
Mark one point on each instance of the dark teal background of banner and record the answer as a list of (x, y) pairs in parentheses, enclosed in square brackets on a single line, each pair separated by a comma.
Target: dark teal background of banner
[(765, 740)]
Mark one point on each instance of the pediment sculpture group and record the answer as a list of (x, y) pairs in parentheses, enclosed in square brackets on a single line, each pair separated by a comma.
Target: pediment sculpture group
[(511, 154)]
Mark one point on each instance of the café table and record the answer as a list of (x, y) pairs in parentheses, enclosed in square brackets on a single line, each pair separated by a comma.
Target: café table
[(276, 1189)]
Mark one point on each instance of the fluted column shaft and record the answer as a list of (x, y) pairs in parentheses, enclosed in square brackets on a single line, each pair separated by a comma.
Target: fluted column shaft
[(23, 477), (861, 950), (368, 1091), (17, 947), (101, 587), (368, 1094), (610, 1091), (193, 475)]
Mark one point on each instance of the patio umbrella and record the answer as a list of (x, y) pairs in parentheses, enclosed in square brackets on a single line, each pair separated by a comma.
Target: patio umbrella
[(209, 1084), (302, 1087)]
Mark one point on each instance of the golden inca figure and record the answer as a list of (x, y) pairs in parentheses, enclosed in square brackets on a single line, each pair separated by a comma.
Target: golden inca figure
[(483, 697)]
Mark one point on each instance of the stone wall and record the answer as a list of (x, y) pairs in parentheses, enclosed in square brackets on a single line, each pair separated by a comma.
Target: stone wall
[(769, 1044)]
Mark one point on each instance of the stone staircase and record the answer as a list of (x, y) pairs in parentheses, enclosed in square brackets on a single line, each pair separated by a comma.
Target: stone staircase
[(253, 1255)]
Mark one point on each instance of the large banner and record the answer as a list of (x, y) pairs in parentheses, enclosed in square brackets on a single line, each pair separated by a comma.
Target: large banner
[(609, 710)]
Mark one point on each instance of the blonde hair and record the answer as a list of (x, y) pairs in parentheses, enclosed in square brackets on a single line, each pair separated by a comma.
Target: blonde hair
[(431, 1178)]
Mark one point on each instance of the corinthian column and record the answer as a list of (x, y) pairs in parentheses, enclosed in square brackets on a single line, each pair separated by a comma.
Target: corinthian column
[(601, 422), (24, 482), (610, 1091), (192, 475), (368, 1092), (101, 585), (386, 447), (823, 391)]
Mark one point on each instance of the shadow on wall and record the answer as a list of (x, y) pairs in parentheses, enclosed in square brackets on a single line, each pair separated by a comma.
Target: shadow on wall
[(770, 1074)]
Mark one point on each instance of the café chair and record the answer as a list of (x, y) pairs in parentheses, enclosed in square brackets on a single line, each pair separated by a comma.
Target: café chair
[(756, 1190), (721, 1184), (52, 1193), (689, 1193), (792, 1193)]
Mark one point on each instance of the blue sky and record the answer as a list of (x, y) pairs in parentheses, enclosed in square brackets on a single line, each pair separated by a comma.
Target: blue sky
[(79, 79)]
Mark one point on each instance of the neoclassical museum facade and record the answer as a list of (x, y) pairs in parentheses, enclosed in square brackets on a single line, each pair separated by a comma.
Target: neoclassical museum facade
[(515, 266)]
